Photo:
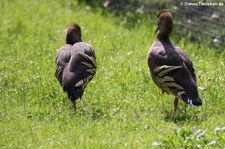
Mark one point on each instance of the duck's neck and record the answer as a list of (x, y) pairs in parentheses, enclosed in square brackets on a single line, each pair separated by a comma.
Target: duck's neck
[(167, 44), (162, 36), (72, 38), (73, 41)]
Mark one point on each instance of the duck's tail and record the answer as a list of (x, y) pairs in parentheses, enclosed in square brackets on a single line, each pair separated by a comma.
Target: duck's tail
[(192, 102)]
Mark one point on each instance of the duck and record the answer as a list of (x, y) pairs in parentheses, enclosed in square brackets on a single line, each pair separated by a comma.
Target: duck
[(170, 67), (75, 64)]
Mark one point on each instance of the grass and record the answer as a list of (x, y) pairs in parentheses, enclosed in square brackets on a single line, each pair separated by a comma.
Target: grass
[(121, 107)]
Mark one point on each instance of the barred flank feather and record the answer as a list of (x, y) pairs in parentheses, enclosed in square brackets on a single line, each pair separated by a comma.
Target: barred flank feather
[(164, 81)]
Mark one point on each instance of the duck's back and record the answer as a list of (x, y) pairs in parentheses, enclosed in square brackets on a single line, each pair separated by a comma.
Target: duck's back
[(81, 69)]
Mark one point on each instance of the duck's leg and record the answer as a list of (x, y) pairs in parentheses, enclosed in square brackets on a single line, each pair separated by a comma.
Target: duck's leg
[(185, 110), (175, 105), (74, 105)]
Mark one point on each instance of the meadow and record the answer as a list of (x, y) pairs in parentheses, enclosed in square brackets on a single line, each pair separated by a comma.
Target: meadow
[(121, 107)]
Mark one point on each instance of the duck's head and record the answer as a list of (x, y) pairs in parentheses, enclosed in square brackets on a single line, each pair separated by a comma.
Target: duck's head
[(73, 34), (165, 24)]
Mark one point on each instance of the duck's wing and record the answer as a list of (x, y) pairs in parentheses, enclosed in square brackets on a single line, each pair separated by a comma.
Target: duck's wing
[(187, 62), (62, 59), (83, 57)]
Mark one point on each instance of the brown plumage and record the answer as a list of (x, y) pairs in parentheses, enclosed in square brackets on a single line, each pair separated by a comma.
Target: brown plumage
[(170, 68), (75, 64)]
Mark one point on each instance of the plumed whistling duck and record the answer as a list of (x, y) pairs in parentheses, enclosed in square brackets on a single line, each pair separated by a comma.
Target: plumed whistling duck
[(75, 64), (170, 68)]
